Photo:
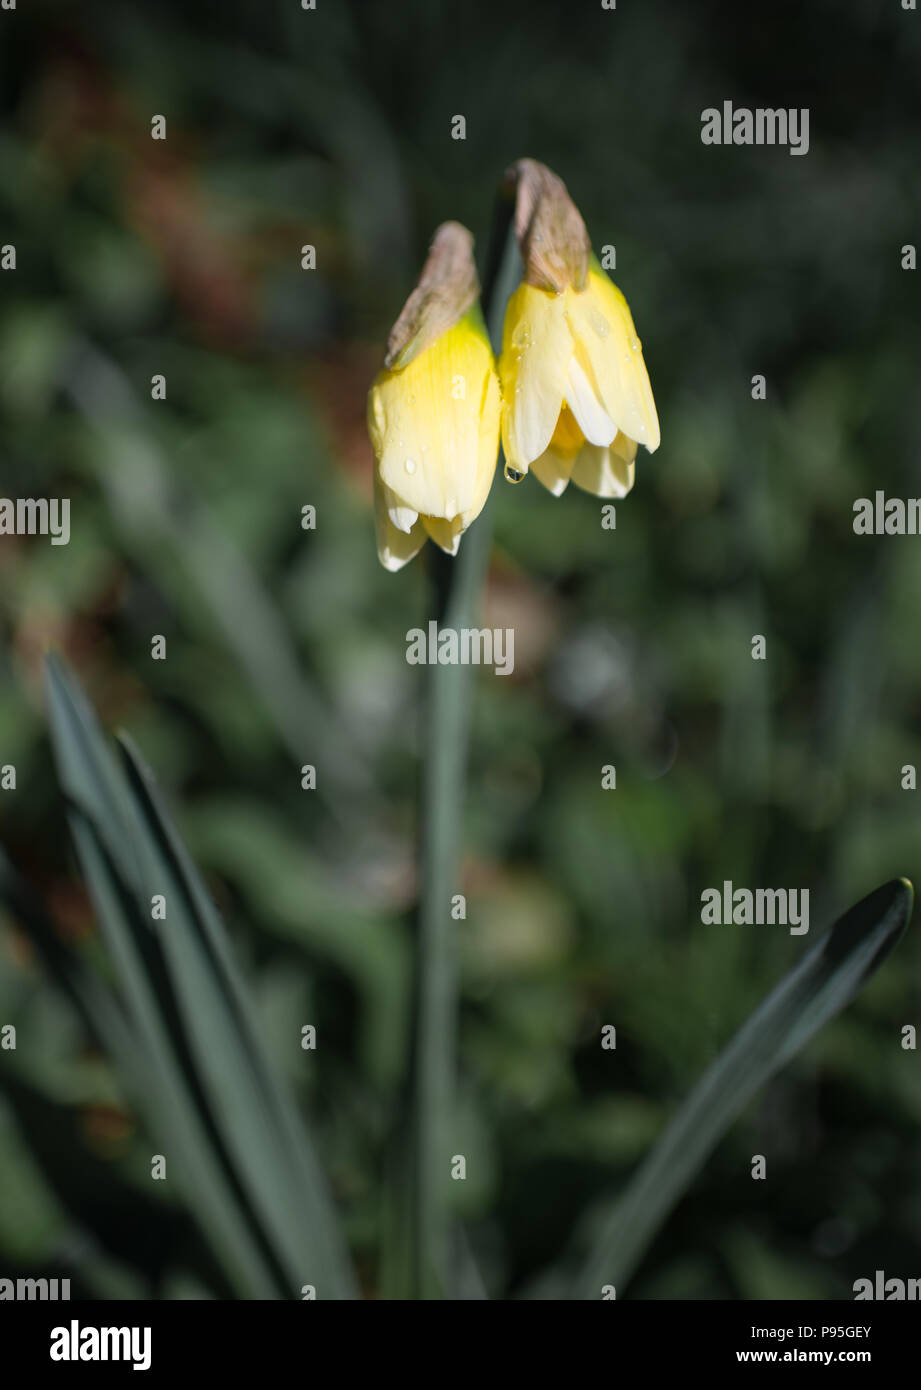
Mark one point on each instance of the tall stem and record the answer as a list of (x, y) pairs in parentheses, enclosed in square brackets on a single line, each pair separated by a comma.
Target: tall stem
[(457, 586)]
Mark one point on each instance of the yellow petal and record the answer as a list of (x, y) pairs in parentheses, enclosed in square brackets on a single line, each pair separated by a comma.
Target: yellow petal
[(377, 424), (554, 467), (611, 356), (554, 470), (488, 450), (606, 472), (394, 546), (446, 534), (425, 421), (537, 349)]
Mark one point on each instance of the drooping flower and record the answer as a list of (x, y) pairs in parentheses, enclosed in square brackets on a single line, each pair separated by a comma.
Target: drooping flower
[(576, 394), (433, 411)]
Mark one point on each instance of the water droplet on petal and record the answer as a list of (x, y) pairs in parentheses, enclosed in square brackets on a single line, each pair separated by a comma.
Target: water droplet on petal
[(599, 323), (410, 465), (512, 475)]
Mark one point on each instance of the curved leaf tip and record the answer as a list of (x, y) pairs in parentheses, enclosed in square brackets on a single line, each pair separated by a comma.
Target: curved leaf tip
[(888, 908)]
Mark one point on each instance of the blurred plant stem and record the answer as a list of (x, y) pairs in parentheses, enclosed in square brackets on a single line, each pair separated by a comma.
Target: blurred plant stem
[(457, 584)]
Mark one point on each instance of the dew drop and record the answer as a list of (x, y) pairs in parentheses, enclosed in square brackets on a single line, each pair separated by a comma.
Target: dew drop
[(512, 475), (410, 465), (599, 323)]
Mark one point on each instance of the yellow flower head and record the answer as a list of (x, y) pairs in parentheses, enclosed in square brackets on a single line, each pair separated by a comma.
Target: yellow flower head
[(576, 395), (433, 411)]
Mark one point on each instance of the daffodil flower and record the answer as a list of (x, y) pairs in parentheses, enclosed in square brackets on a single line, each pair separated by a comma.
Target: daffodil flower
[(433, 411), (576, 395)]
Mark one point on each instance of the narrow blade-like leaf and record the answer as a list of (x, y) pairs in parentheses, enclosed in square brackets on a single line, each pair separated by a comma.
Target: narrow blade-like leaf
[(242, 1154), (820, 986)]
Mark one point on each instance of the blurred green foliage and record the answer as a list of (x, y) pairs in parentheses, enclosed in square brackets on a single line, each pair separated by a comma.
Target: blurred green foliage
[(284, 647)]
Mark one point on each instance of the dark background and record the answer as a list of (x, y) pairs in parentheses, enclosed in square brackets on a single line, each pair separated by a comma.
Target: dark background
[(632, 648)]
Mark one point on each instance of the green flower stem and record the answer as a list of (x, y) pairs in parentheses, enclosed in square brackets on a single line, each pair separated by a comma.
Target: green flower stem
[(458, 585)]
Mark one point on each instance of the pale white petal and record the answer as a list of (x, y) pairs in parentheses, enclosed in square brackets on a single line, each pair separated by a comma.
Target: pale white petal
[(394, 547), (403, 518)]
